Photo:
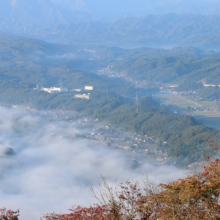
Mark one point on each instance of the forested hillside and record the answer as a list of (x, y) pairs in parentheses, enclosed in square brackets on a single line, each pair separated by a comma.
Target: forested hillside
[(171, 69), (177, 65), (26, 63)]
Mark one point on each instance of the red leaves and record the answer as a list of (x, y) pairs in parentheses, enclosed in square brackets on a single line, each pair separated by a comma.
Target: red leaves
[(95, 212), (207, 158), (8, 214), (194, 197)]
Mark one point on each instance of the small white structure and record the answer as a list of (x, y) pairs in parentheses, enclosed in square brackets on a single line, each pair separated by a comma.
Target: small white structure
[(90, 88), (81, 96), (55, 89), (36, 87), (174, 86), (77, 90), (209, 85)]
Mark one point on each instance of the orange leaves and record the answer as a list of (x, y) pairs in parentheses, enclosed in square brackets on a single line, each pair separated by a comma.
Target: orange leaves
[(194, 197)]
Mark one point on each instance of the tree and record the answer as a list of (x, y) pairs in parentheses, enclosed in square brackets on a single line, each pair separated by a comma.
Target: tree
[(195, 197), (192, 198), (8, 214), (96, 212)]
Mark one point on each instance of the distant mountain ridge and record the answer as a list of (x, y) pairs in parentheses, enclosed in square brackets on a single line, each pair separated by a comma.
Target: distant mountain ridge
[(80, 21), (25, 16), (166, 31), (31, 15)]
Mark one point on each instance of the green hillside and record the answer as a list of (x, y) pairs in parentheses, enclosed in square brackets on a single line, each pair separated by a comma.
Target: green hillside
[(26, 63)]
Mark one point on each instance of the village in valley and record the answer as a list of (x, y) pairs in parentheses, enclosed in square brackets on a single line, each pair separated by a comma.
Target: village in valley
[(140, 146)]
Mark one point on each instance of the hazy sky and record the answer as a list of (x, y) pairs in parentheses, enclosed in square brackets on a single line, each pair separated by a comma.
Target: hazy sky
[(51, 172), (136, 6)]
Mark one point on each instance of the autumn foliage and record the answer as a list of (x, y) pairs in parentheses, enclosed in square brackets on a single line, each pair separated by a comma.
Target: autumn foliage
[(8, 214), (82, 213), (192, 198)]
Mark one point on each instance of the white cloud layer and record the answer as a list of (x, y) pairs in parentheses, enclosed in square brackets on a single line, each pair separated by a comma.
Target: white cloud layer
[(51, 171)]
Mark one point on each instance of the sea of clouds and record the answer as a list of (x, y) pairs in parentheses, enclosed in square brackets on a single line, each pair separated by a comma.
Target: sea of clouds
[(45, 167)]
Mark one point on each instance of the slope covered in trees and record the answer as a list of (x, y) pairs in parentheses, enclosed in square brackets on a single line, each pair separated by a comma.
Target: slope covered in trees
[(174, 66), (38, 62), (186, 138), (26, 63)]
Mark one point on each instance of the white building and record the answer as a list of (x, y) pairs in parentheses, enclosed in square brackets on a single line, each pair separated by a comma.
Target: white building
[(55, 90), (90, 88), (82, 96), (209, 85)]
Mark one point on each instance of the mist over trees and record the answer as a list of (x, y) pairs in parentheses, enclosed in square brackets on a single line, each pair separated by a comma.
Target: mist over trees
[(194, 197), (127, 50)]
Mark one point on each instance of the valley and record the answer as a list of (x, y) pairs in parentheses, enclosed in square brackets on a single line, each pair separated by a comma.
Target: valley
[(117, 100), (114, 92)]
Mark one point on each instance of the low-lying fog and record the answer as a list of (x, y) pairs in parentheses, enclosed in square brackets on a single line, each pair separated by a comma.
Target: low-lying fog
[(48, 165)]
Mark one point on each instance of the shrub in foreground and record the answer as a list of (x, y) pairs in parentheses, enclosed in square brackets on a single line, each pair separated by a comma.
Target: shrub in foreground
[(191, 198)]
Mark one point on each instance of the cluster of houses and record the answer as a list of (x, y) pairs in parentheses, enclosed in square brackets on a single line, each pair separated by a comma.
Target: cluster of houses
[(81, 93), (55, 90)]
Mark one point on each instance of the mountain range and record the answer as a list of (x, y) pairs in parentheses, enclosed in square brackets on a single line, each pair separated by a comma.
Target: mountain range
[(166, 31), (30, 15)]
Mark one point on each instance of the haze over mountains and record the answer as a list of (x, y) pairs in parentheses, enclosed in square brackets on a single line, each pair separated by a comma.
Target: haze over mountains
[(115, 23), (57, 11)]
